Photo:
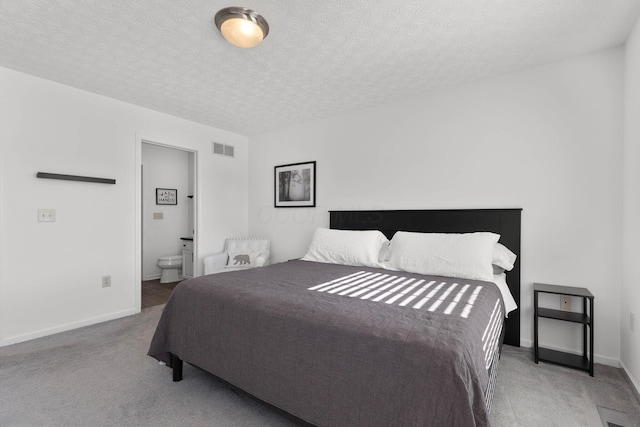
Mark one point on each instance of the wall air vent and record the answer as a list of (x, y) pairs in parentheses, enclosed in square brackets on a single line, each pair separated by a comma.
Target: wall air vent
[(222, 149)]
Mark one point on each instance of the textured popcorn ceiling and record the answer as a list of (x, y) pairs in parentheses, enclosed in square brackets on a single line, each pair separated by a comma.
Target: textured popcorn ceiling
[(321, 58)]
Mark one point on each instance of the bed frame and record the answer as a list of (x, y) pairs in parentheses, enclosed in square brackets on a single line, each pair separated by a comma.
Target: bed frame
[(505, 222)]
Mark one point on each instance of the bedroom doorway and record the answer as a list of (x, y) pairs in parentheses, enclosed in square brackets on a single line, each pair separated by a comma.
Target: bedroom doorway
[(167, 220)]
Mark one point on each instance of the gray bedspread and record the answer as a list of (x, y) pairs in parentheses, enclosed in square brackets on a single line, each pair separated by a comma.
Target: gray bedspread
[(341, 346)]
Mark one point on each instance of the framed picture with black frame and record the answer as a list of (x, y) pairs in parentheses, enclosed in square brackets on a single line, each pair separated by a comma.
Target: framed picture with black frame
[(166, 196), (295, 185)]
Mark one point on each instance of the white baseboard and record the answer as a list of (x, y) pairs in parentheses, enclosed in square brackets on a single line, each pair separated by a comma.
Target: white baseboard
[(152, 277), (597, 358), (67, 327), (633, 381)]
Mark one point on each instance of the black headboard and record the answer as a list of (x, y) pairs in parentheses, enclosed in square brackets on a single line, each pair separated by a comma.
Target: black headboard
[(505, 222)]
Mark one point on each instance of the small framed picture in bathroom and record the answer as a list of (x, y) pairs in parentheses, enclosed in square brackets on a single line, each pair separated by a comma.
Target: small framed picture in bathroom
[(166, 196)]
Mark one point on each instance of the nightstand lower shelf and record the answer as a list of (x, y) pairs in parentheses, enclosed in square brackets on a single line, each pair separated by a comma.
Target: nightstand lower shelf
[(565, 359), (584, 361)]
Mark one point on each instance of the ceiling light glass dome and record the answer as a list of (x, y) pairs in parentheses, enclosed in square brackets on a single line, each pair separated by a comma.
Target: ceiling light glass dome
[(241, 27)]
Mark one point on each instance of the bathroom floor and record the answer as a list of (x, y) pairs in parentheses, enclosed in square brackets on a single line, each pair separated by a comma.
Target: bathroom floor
[(156, 293)]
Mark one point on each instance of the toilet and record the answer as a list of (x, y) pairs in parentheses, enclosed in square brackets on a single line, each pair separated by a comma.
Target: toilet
[(170, 266)]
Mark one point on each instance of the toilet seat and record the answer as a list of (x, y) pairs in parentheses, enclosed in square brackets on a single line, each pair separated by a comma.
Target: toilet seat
[(170, 261), (171, 258)]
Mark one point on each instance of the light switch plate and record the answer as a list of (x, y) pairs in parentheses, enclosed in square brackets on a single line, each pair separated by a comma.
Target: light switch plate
[(46, 215)]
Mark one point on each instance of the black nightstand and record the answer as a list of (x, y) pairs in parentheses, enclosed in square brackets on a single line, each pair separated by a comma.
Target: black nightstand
[(584, 362)]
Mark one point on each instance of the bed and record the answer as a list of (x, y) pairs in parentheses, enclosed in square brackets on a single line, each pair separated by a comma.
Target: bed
[(322, 343)]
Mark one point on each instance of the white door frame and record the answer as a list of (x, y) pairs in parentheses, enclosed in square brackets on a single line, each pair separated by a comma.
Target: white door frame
[(138, 227)]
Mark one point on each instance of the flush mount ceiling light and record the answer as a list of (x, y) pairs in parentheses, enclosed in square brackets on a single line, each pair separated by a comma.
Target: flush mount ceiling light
[(241, 27)]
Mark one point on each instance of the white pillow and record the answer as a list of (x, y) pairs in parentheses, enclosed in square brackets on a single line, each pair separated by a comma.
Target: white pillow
[(503, 257), (359, 248), (242, 259), (465, 256), (509, 302)]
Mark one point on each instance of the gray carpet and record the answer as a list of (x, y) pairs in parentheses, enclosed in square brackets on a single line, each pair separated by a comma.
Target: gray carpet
[(100, 376)]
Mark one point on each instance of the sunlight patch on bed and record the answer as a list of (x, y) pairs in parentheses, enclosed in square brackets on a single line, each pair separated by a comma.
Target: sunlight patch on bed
[(447, 297)]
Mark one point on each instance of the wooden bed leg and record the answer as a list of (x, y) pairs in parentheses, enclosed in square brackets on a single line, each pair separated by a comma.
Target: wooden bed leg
[(176, 363)]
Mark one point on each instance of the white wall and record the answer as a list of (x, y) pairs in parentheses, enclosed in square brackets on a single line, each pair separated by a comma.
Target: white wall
[(548, 140), (163, 167), (630, 349), (50, 273)]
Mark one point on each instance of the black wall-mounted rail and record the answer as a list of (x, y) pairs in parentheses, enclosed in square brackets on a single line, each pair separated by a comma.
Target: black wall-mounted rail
[(75, 178)]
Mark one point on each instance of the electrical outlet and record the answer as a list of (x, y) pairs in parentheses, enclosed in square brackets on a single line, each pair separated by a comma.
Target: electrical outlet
[(565, 303), (46, 215), (632, 322), (106, 281)]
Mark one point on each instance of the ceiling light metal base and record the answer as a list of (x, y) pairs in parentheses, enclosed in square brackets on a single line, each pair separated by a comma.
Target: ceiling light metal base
[(241, 13)]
